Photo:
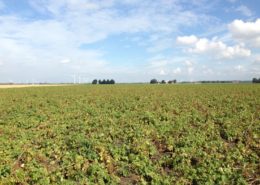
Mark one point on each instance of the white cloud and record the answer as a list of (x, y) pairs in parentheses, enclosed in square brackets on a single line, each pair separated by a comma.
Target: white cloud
[(255, 72), (239, 68), (256, 61), (160, 45), (68, 26), (190, 70), (187, 40), (57, 7), (177, 71), (38, 48), (94, 21), (161, 66), (190, 66), (63, 29), (162, 72), (189, 63), (213, 47), (104, 15), (244, 10), (248, 32), (207, 71), (158, 63), (65, 61), (255, 67)]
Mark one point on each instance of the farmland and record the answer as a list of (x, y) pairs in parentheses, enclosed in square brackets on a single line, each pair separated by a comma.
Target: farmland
[(130, 134)]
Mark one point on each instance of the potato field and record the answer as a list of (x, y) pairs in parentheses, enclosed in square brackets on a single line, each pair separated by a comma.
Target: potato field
[(130, 134)]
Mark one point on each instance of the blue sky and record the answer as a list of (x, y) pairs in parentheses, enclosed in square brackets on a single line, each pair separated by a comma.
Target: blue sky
[(129, 40)]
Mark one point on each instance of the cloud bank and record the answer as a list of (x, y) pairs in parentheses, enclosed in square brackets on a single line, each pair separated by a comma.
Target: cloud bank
[(213, 47), (55, 40), (247, 32)]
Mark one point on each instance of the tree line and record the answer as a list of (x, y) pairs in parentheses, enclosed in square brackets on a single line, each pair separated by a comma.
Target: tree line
[(255, 80), (95, 81), (216, 81), (155, 81)]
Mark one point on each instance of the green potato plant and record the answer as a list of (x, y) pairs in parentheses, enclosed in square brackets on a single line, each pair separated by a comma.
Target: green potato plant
[(130, 134)]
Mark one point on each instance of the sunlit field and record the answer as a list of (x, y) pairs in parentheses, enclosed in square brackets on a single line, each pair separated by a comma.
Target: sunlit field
[(130, 134)]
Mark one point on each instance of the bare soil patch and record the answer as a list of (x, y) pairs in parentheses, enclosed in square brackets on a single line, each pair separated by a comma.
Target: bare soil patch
[(28, 85)]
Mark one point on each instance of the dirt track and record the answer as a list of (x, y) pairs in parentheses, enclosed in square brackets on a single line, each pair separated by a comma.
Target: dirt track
[(25, 85)]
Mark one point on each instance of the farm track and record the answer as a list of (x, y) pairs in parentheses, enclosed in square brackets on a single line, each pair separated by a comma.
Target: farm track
[(34, 85)]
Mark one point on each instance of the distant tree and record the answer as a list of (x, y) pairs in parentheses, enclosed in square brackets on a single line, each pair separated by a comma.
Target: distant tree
[(255, 80), (153, 81), (112, 81), (163, 82), (172, 81), (103, 81), (94, 81)]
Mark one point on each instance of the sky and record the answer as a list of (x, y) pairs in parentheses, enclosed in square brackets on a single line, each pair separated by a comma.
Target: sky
[(129, 40)]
